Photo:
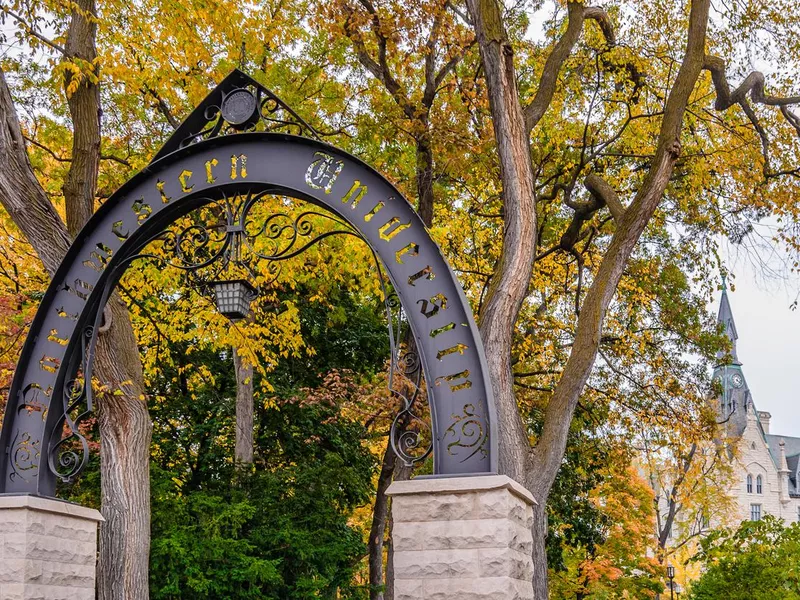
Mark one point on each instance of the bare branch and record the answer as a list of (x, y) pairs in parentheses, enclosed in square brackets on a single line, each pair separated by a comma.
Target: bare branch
[(46, 149), (31, 31), (792, 118), (547, 83), (162, 106)]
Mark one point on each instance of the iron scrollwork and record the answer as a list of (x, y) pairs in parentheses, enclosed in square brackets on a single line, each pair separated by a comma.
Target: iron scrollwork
[(467, 435), (248, 108), (239, 238), (67, 455), (25, 452), (410, 435)]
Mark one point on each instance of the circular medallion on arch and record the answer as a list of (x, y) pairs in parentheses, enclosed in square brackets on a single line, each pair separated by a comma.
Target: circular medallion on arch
[(240, 109)]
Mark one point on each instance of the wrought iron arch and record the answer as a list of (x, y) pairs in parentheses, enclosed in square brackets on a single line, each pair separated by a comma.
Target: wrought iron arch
[(217, 151)]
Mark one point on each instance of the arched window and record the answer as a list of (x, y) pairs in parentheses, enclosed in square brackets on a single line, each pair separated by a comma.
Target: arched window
[(749, 483), (758, 485)]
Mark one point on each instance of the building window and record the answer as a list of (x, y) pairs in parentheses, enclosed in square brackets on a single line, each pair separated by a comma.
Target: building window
[(759, 489), (749, 483), (755, 512), (798, 513)]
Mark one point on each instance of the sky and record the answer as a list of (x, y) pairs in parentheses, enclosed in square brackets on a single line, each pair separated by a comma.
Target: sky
[(769, 341)]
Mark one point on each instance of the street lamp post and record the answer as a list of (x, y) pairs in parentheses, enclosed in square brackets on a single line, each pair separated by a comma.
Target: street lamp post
[(671, 577)]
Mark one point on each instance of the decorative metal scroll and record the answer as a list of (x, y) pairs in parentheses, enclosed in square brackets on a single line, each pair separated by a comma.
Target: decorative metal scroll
[(410, 434), (237, 105), (237, 238), (199, 168)]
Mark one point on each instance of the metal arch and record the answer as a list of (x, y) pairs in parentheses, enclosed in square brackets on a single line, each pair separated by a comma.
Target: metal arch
[(44, 393)]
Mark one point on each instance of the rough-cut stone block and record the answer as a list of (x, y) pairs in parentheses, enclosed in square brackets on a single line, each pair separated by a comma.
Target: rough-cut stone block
[(484, 588), (477, 533), (48, 549), (465, 538)]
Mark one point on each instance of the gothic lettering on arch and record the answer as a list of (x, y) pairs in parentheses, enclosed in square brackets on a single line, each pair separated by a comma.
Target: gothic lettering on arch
[(354, 196), (35, 400), (238, 166), (456, 381), (79, 288), (99, 257), (323, 172), (426, 273), (431, 307), (184, 178), (408, 251)]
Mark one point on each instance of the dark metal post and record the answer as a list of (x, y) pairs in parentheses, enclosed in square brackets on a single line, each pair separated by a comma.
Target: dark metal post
[(671, 577)]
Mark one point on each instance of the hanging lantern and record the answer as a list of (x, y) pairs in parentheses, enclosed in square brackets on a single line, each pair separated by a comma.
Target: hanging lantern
[(234, 297)]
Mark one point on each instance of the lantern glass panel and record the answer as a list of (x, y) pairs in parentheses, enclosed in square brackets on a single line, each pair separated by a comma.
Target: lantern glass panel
[(234, 297)]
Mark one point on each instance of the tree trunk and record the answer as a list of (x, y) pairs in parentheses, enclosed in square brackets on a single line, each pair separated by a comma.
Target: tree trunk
[(244, 410), (537, 468), (402, 472), (539, 550), (125, 433), (510, 281), (84, 109), (425, 176), (377, 531), (125, 426)]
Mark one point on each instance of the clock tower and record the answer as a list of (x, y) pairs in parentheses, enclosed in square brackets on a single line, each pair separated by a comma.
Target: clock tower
[(734, 400)]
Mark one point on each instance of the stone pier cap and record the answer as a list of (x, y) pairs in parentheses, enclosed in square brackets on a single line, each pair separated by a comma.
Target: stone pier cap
[(460, 485), (48, 549)]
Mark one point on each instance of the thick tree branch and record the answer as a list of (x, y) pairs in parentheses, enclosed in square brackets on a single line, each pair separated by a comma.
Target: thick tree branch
[(753, 83), (600, 189), (21, 194), (84, 108), (546, 456), (380, 67), (576, 15), (430, 60), (162, 106), (752, 87)]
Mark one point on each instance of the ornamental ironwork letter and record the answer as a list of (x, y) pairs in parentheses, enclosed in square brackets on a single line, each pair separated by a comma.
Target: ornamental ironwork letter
[(322, 173)]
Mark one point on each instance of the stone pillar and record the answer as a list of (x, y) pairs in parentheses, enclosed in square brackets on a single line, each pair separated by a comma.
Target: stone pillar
[(462, 538), (48, 549)]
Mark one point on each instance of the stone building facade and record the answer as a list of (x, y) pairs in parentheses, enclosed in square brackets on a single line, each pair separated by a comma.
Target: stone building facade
[(766, 467)]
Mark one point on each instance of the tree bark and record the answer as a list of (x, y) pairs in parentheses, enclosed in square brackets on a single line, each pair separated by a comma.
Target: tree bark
[(84, 109), (537, 468), (244, 410), (377, 531), (125, 426), (402, 472), (510, 282), (125, 434), (546, 456), (425, 176)]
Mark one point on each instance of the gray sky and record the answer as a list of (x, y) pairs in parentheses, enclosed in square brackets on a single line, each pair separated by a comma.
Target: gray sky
[(769, 344)]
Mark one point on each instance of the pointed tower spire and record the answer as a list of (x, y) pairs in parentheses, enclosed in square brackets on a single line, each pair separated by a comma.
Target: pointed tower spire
[(726, 319)]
